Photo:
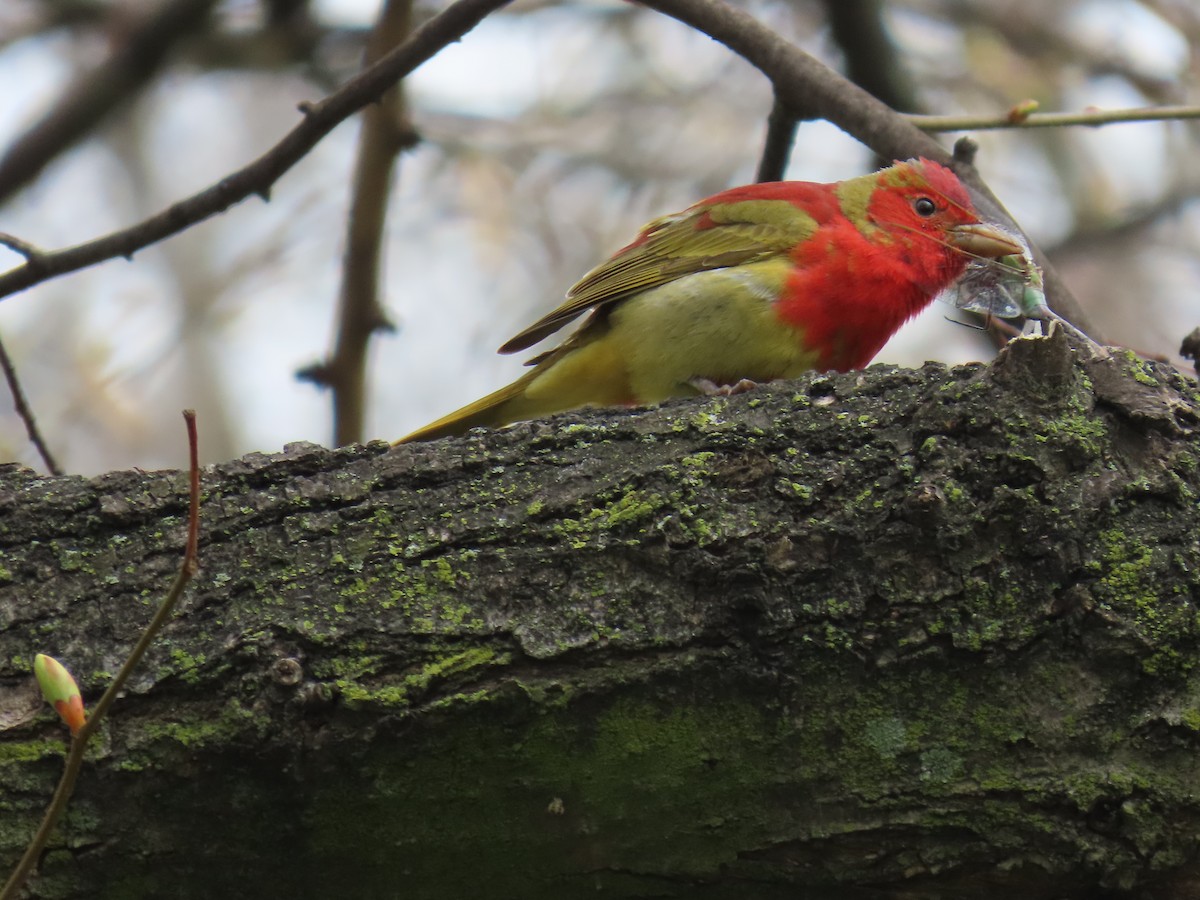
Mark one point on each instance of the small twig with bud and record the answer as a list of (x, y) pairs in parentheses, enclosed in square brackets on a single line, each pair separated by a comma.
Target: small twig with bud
[(1024, 115), (61, 692)]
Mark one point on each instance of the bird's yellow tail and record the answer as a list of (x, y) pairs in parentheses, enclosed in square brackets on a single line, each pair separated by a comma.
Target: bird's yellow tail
[(581, 372), (498, 408)]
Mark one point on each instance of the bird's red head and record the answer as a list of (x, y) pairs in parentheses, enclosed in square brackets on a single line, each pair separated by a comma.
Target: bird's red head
[(923, 207), (920, 197)]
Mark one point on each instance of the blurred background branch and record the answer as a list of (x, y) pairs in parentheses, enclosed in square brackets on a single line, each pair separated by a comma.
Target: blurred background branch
[(871, 57), (257, 178), (22, 408), (386, 131), (1055, 120), (140, 48)]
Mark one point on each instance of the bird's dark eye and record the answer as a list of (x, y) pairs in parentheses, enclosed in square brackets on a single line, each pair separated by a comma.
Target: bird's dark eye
[(924, 207)]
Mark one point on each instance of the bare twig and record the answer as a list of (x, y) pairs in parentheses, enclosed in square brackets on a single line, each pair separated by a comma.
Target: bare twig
[(191, 553), (32, 254), (1094, 117), (777, 148), (187, 571), (966, 148), (386, 131), (66, 784), (25, 411), (871, 62), (96, 93), (58, 804), (803, 81), (259, 176)]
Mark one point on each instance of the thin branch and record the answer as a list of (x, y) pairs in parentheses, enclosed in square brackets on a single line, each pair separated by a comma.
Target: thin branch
[(33, 255), (58, 804), (777, 148), (66, 784), (191, 553), (802, 81), (187, 571), (259, 176), (25, 411), (94, 95), (805, 82), (1095, 117), (386, 131)]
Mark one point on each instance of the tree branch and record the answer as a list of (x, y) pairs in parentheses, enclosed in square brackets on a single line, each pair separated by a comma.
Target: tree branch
[(777, 146), (889, 633), (1095, 118), (95, 94), (258, 177), (386, 131), (25, 411)]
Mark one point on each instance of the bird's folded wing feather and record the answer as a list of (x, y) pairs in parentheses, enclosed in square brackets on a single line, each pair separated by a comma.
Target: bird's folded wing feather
[(700, 238)]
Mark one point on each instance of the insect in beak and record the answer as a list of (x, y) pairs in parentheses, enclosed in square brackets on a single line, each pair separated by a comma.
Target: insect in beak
[(983, 241)]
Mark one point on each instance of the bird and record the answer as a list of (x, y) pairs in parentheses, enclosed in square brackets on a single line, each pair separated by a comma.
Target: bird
[(753, 284)]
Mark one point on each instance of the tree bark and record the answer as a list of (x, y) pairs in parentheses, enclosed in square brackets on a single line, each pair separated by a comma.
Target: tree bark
[(891, 633)]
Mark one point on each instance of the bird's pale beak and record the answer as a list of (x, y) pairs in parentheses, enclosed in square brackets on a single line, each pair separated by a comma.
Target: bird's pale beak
[(983, 241)]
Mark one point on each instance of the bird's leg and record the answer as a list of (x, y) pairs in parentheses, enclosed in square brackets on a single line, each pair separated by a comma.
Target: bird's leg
[(712, 389)]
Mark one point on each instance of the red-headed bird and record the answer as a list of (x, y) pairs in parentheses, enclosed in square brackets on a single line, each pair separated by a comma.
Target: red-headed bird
[(753, 284)]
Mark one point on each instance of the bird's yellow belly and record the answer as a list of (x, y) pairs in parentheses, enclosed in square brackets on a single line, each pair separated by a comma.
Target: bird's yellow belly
[(720, 325)]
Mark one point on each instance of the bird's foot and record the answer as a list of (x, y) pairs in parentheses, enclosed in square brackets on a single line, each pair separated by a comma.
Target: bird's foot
[(712, 389)]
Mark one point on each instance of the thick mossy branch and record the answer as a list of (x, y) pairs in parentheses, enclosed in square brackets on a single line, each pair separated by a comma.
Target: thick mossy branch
[(930, 633)]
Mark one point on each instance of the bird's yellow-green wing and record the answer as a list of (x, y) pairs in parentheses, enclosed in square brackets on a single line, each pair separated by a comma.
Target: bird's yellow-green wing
[(706, 236)]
